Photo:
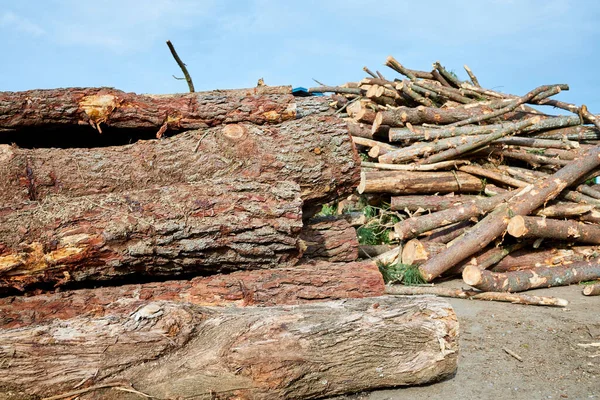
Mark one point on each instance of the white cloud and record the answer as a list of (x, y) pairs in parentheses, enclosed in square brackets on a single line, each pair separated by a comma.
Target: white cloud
[(11, 20)]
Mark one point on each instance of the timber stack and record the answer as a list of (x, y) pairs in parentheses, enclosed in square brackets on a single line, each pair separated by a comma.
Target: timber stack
[(168, 246), (470, 181)]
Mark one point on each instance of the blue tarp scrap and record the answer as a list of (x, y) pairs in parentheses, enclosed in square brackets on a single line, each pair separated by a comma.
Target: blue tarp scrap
[(303, 92)]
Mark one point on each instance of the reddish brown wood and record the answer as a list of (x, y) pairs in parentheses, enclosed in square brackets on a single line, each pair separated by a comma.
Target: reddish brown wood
[(110, 107), (316, 281), (518, 281), (182, 351), (331, 239), (314, 151), (209, 227), (430, 203)]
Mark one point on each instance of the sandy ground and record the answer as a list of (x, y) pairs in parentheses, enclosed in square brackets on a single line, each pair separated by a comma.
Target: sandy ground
[(547, 339)]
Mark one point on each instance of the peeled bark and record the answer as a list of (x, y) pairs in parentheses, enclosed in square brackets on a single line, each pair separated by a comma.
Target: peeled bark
[(280, 286), (540, 227), (209, 227), (518, 281), (406, 182), (416, 252), (331, 239), (117, 109), (529, 258), (316, 152), (175, 350)]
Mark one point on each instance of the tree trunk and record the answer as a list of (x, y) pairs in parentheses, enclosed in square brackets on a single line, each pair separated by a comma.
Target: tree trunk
[(522, 203), (406, 182), (314, 151), (540, 227), (518, 281), (331, 239), (178, 350), (117, 109), (416, 252), (429, 203), (315, 281), (208, 227), (529, 258)]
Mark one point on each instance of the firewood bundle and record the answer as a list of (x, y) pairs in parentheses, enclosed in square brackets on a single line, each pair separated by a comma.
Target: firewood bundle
[(180, 265), (482, 183)]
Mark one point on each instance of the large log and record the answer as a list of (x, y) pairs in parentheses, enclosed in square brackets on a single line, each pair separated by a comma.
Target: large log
[(213, 226), (175, 350), (304, 283), (529, 258), (315, 151), (406, 182), (114, 108), (541, 227), (331, 239)]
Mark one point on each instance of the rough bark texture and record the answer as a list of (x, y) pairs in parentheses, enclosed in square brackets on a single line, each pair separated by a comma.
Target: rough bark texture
[(214, 226), (330, 239), (430, 203), (316, 281), (115, 108), (518, 281), (174, 350), (522, 203), (528, 258), (540, 227), (406, 182), (315, 151)]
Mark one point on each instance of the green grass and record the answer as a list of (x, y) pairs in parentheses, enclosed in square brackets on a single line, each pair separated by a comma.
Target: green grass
[(401, 273), (328, 209)]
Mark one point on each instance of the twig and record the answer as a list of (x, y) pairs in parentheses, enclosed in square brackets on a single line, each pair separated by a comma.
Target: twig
[(188, 78), (82, 391), (472, 76), (199, 141), (368, 71), (319, 83), (512, 353)]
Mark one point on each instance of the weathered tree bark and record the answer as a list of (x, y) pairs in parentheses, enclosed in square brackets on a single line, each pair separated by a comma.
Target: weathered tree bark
[(315, 281), (414, 226), (208, 227), (371, 251), (314, 151), (493, 174), (518, 281), (564, 210), (415, 167), (331, 239), (416, 252), (410, 153), (591, 290), (540, 227), (117, 109), (447, 233), (393, 182), (486, 258), (530, 258), (175, 350), (398, 290), (522, 203)]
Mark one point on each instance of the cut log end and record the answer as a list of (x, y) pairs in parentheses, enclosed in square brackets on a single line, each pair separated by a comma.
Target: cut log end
[(516, 226), (377, 122), (592, 290), (363, 183), (234, 131), (472, 275)]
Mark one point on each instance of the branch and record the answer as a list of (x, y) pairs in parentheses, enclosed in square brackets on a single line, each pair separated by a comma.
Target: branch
[(188, 78)]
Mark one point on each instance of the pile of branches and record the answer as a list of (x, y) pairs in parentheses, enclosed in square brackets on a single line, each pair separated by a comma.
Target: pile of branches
[(484, 184)]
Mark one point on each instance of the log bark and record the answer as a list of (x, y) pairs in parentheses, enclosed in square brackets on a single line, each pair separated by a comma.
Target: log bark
[(529, 258), (487, 258), (114, 108), (410, 153), (314, 281), (398, 290), (174, 350), (522, 203), (540, 227), (418, 182), (314, 151), (210, 227), (564, 210), (331, 239), (447, 233), (429, 203), (414, 226), (518, 281)]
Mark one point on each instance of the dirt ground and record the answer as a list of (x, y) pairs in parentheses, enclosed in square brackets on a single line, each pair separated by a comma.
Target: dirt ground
[(548, 339)]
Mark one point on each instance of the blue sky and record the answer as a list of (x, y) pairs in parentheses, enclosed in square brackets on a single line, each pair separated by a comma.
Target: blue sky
[(511, 45)]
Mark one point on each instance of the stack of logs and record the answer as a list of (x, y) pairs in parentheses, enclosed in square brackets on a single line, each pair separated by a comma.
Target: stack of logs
[(177, 266), (486, 185)]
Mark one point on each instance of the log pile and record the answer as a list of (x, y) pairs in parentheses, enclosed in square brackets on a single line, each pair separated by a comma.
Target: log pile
[(481, 183), (167, 247)]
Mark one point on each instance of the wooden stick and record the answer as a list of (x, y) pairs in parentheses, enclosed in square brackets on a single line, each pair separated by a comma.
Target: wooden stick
[(415, 167), (429, 203), (336, 89), (447, 75), (518, 281), (493, 175), (540, 227), (531, 258), (399, 290), (472, 76), (512, 354), (401, 182), (522, 203), (592, 290), (415, 150), (396, 66), (368, 71), (188, 78)]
